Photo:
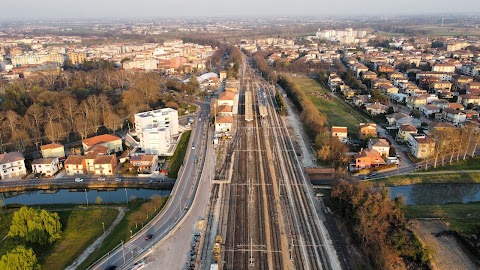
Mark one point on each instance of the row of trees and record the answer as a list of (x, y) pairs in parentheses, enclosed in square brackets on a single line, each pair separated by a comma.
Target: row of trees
[(146, 211), (455, 144), (379, 226)]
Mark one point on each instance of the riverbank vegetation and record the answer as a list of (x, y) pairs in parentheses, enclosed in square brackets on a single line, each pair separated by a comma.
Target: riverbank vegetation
[(80, 227), (379, 226)]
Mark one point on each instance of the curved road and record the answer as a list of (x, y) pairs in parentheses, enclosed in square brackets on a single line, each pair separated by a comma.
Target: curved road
[(180, 199)]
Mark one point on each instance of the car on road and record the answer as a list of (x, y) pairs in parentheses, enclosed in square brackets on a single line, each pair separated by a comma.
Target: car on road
[(78, 179), (149, 237), (101, 179), (365, 177), (111, 267), (118, 179), (193, 147), (372, 173)]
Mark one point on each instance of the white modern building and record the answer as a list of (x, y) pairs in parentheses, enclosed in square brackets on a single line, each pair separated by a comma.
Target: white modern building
[(157, 130), (11, 165)]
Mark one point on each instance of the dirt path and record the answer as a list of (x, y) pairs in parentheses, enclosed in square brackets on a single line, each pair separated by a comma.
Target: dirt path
[(448, 254), (92, 247), (294, 122)]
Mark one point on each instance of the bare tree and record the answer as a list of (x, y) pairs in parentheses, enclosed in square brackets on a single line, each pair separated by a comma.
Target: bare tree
[(12, 119), (70, 108), (20, 140)]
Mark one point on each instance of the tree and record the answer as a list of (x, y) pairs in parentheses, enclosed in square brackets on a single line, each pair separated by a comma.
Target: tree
[(19, 258), (156, 201), (36, 226), (135, 218), (99, 200), (148, 208), (112, 121), (20, 140)]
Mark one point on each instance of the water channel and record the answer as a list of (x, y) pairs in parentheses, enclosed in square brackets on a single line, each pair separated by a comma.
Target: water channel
[(79, 196), (437, 193)]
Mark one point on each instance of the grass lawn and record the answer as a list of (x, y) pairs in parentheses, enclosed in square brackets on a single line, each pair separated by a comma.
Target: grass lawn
[(338, 113), (120, 232), (80, 227), (462, 218), (176, 160), (469, 164), (411, 179)]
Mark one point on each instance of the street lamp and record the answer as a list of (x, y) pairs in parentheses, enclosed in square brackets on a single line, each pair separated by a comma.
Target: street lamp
[(126, 195), (86, 197), (103, 225), (131, 234)]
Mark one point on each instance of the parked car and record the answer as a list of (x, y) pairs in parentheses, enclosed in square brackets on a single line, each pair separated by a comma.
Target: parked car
[(78, 179)]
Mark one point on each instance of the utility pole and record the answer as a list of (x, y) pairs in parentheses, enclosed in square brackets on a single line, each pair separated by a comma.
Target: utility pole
[(86, 197)]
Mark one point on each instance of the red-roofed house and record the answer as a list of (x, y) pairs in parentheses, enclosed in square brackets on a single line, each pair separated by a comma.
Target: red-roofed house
[(114, 143), (341, 133), (368, 158), (223, 124)]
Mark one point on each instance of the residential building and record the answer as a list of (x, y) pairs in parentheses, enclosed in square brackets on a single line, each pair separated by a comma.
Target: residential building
[(467, 99), (48, 166), (367, 130), (429, 109), (453, 116), (421, 146), (380, 145), (443, 67), (12, 165), (105, 164), (157, 130), (150, 64), (77, 57), (376, 108), (112, 142), (144, 163), (368, 158), (404, 132), (53, 150), (341, 133), (226, 98), (223, 124), (75, 165)]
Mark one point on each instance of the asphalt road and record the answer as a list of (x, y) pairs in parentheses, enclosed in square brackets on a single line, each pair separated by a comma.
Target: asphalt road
[(176, 207)]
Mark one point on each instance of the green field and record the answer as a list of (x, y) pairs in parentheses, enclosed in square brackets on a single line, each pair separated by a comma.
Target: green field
[(462, 218), (80, 227), (411, 179), (338, 113), (176, 160), (121, 231)]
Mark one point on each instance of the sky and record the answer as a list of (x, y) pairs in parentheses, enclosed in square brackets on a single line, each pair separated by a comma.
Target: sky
[(219, 8)]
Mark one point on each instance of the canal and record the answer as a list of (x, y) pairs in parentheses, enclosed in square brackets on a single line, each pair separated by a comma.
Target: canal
[(80, 196)]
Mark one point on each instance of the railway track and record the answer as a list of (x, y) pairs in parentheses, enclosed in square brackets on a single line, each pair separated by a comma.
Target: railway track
[(271, 217)]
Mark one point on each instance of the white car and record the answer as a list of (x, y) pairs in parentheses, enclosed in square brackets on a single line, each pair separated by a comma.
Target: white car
[(118, 179), (101, 179), (78, 180), (193, 147)]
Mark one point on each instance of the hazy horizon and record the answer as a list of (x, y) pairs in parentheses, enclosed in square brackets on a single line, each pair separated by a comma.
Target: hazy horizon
[(58, 9)]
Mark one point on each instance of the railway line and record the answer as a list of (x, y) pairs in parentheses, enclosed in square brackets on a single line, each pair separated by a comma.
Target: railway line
[(269, 218)]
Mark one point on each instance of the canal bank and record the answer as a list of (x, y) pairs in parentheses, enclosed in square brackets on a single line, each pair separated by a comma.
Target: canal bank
[(99, 185)]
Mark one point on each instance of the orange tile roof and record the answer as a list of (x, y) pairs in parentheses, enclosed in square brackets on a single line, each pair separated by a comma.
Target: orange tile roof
[(51, 146), (100, 139), (340, 129), (74, 160)]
